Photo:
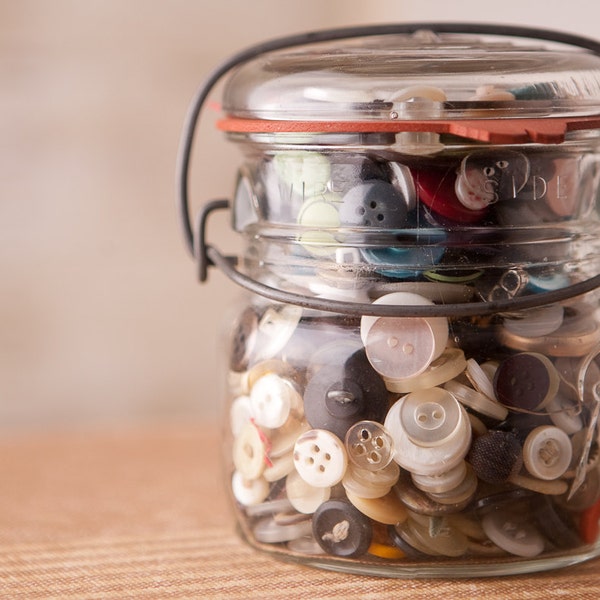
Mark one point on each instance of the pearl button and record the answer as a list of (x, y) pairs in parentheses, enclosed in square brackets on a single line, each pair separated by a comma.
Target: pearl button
[(341, 529), (387, 509), (513, 532), (305, 498), (476, 400), (370, 484), (249, 492), (369, 445), (447, 450), (535, 322), (249, 452), (547, 452), (443, 482), (320, 458)]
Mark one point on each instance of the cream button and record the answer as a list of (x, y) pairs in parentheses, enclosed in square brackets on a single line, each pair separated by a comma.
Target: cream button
[(564, 413), (399, 348), (480, 379), (278, 468), (320, 458), (430, 417), (249, 492), (536, 322), (476, 400), (319, 216), (239, 414), (448, 366), (249, 452), (305, 498), (547, 452), (369, 445), (370, 484), (463, 492), (513, 532), (387, 509), (271, 400)]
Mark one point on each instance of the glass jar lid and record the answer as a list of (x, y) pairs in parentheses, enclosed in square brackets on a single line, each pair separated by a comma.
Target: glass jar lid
[(396, 81)]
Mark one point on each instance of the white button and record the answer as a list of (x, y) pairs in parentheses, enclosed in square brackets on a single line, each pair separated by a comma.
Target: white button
[(439, 325), (275, 328), (547, 452), (476, 400), (431, 460), (239, 414), (443, 482), (282, 439), (369, 445), (249, 492), (513, 532), (399, 348), (319, 216), (370, 484), (278, 468), (565, 413), (271, 400), (535, 322), (463, 492), (305, 498), (430, 417), (320, 458), (448, 366), (249, 452)]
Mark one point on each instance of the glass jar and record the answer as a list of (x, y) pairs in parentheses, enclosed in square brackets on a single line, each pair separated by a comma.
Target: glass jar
[(414, 380)]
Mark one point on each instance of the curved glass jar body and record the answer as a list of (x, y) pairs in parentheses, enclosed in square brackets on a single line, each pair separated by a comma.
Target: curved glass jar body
[(455, 443), (418, 446)]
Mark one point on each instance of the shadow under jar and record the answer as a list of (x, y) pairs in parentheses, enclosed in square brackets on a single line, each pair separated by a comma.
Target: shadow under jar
[(413, 379)]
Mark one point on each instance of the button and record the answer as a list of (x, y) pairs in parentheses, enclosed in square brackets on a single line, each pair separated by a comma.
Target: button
[(463, 492), (387, 509), (476, 400), (271, 507), (556, 524), (438, 292), (526, 381), (398, 348), (336, 397), (547, 452), (443, 482), (249, 452), (449, 365), (430, 417), (419, 502), (587, 494), (370, 484), (438, 325), (347, 171), (243, 340), (319, 216), (246, 206), (305, 498), (272, 365), (240, 414), (271, 401), (589, 524), (320, 458), (282, 440), (268, 531), (301, 173), (374, 204), (386, 552), (428, 460), (436, 189), (514, 533), (278, 467), (369, 445), (249, 492), (486, 177), (275, 328), (397, 537), (342, 530), (496, 456), (401, 178), (480, 379), (552, 487), (444, 540), (535, 322), (306, 545), (407, 261)]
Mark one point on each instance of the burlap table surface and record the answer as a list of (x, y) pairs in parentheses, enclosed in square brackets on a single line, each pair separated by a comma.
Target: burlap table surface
[(143, 514)]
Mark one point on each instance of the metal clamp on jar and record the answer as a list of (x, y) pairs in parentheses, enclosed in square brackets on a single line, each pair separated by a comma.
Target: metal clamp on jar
[(414, 382)]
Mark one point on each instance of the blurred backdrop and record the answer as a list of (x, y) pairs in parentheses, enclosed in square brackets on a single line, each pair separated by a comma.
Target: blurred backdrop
[(101, 317)]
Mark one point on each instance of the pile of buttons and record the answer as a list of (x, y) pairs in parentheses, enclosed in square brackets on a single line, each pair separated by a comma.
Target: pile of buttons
[(409, 438)]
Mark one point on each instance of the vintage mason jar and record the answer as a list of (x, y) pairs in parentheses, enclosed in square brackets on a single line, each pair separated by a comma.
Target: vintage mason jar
[(413, 382)]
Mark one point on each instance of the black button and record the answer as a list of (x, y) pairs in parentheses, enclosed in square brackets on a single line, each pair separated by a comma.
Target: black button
[(495, 456), (342, 530), (374, 204), (394, 533), (336, 397)]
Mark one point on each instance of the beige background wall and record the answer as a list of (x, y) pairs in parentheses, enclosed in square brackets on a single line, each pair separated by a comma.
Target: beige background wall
[(101, 318)]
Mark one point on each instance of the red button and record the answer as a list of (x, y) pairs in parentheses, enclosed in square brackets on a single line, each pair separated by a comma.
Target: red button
[(435, 188)]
